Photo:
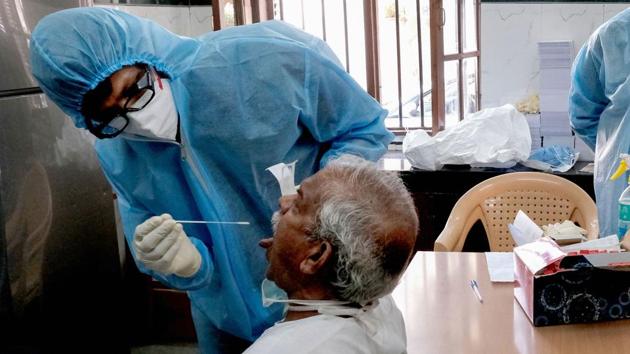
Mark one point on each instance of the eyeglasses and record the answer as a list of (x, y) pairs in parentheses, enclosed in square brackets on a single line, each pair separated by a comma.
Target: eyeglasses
[(137, 96)]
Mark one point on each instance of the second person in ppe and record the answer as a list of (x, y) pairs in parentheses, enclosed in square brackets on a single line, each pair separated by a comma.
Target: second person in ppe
[(188, 126), (599, 108)]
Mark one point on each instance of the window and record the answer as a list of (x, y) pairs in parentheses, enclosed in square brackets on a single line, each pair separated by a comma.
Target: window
[(460, 53), (418, 58)]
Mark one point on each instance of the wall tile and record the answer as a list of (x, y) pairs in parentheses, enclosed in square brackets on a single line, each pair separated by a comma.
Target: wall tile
[(200, 20), (508, 48), (182, 20), (509, 36), (573, 22), (611, 10)]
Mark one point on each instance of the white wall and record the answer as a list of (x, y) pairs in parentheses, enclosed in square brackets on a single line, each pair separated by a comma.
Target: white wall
[(183, 20), (509, 36)]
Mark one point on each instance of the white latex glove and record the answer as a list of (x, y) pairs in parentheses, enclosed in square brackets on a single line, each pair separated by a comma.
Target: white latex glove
[(162, 245), (566, 230)]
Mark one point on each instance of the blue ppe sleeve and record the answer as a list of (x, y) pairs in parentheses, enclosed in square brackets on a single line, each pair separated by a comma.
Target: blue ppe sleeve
[(339, 112), (587, 98), (134, 216)]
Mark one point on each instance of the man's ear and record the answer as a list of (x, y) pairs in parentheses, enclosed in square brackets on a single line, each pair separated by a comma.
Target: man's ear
[(316, 257)]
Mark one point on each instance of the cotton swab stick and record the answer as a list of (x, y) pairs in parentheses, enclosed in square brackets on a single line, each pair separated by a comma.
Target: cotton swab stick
[(212, 222)]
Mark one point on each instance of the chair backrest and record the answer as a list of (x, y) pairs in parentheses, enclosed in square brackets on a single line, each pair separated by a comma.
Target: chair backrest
[(545, 198)]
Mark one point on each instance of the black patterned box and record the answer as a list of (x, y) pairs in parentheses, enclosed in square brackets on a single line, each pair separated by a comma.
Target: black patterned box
[(554, 287)]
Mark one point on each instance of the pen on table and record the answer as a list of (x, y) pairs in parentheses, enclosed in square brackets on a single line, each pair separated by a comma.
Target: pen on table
[(475, 288), (211, 222)]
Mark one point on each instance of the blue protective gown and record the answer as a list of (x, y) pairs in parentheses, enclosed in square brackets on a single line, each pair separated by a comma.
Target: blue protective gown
[(599, 108), (248, 97)]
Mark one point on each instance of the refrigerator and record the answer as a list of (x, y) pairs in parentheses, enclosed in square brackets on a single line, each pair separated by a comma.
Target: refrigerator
[(60, 263)]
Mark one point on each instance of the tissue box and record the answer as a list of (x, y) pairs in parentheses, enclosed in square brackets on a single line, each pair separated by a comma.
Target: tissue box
[(554, 287)]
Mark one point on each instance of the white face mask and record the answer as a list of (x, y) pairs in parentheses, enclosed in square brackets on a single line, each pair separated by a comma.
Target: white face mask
[(271, 294), (159, 118)]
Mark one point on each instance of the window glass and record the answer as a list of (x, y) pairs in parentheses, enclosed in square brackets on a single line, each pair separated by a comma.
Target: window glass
[(469, 24), (470, 86), (451, 92), (450, 26)]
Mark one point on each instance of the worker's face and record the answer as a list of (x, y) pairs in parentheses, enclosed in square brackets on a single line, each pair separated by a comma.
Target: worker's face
[(292, 226), (123, 83)]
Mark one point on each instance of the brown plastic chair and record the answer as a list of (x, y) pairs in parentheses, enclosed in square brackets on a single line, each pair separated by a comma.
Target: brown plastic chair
[(545, 198)]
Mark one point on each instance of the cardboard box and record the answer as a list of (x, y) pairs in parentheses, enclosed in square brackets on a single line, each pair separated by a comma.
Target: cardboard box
[(554, 287)]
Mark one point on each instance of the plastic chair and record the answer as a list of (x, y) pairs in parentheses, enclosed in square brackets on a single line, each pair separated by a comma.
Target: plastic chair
[(545, 198)]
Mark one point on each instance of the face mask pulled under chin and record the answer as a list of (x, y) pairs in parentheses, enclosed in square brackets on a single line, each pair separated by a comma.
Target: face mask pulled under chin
[(272, 294), (158, 120)]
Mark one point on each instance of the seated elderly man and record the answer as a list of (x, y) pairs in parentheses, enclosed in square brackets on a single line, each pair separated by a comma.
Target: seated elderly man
[(338, 250)]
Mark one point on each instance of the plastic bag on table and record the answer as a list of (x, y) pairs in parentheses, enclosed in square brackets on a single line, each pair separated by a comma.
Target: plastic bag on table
[(494, 137)]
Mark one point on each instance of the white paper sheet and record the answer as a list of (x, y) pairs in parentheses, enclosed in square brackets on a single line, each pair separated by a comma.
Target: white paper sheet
[(500, 266), (524, 230), (605, 243)]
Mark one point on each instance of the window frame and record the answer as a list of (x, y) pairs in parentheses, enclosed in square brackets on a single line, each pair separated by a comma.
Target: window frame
[(251, 11), (461, 55)]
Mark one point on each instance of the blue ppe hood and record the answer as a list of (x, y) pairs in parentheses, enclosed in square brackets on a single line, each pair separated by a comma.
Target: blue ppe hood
[(72, 51)]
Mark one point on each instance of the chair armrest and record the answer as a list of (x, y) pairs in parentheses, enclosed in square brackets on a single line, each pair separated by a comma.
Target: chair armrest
[(462, 218)]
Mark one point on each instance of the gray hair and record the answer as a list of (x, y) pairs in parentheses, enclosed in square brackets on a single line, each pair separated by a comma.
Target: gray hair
[(370, 219)]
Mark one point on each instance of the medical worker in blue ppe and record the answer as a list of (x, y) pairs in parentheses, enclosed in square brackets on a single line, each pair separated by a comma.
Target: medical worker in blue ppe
[(187, 128), (599, 108)]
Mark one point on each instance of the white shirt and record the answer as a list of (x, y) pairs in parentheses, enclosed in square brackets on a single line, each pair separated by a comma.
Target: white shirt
[(380, 330)]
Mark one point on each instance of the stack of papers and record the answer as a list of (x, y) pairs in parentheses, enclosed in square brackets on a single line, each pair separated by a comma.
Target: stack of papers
[(563, 140), (555, 81), (586, 154), (533, 120), (556, 54), (555, 123)]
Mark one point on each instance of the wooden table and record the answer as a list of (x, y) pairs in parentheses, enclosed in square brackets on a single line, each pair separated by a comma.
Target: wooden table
[(442, 314)]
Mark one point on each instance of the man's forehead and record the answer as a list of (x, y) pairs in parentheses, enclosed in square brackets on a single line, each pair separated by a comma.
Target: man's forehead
[(313, 184), (119, 81), (311, 190)]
